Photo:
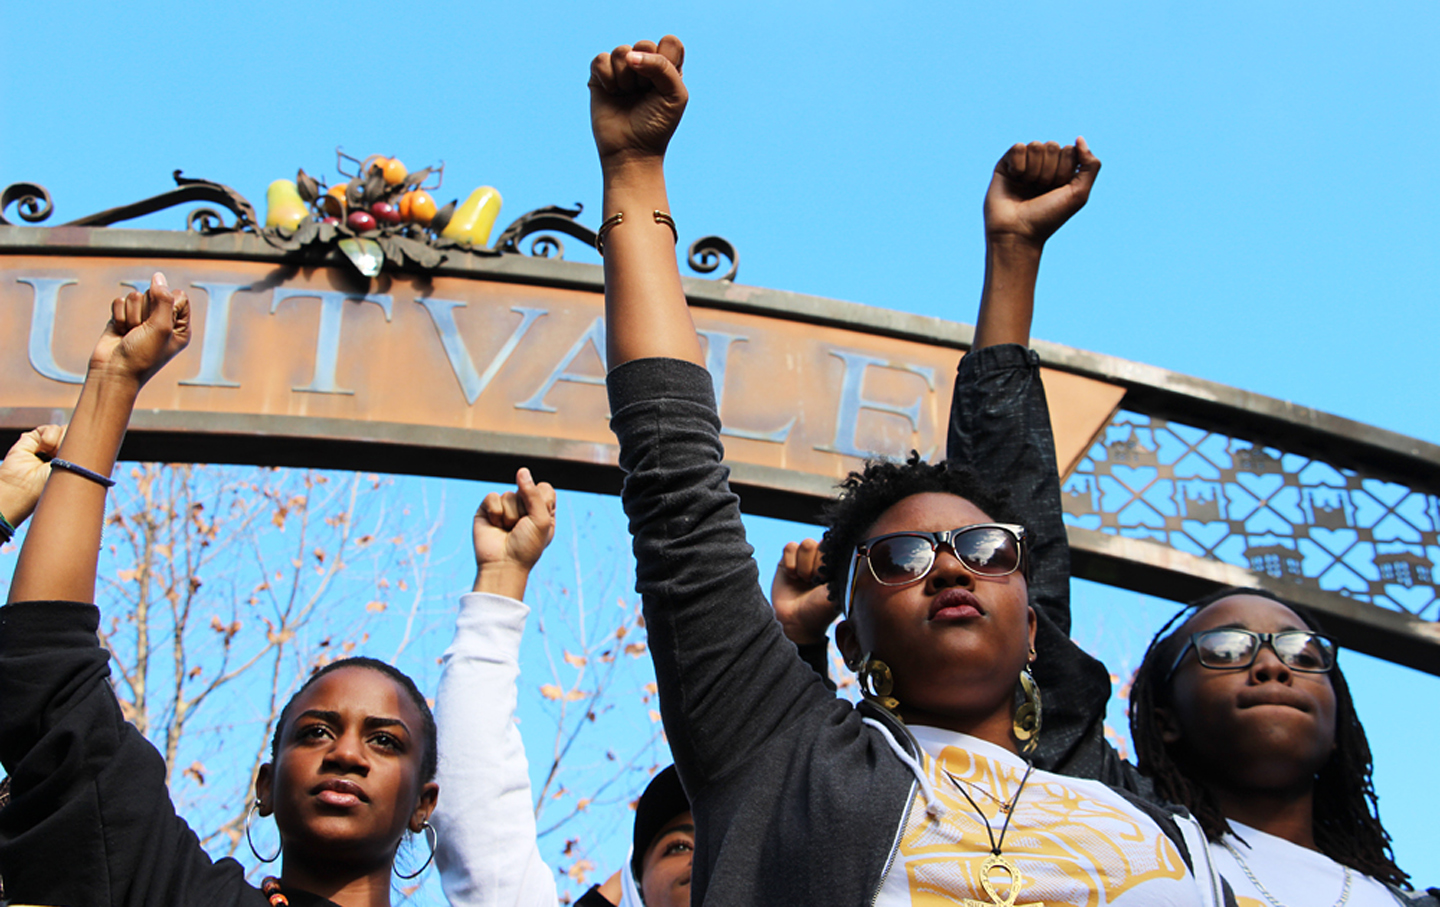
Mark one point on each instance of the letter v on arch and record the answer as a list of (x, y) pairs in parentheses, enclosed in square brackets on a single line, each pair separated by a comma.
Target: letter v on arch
[(472, 381)]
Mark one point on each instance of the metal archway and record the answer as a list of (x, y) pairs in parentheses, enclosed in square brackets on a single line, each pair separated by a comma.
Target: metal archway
[(491, 359)]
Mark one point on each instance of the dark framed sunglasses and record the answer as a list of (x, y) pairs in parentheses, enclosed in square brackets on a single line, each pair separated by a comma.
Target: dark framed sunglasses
[(1231, 648), (902, 558)]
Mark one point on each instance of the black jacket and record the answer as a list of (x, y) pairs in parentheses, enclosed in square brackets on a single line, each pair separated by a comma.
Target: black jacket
[(769, 756), (90, 821)]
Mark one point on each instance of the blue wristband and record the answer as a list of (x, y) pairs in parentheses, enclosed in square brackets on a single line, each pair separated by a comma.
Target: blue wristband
[(81, 471), (7, 532)]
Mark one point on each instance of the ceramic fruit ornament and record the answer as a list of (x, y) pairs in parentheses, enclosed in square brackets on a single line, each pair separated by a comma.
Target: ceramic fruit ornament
[(417, 206), (394, 172), (385, 213), (382, 211), (474, 219), (283, 205)]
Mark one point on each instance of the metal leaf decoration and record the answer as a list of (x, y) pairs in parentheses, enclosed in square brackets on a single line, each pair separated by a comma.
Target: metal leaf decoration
[(364, 253)]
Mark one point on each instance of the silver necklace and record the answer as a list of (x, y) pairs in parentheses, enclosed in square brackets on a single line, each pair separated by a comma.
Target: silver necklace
[(1245, 867)]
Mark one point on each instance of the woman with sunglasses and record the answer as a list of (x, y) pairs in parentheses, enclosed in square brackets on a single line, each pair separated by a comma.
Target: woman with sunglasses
[(921, 793), (1242, 714)]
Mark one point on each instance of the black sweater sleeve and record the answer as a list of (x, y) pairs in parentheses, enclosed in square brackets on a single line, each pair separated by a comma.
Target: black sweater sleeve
[(90, 819), (729, 679), (1000, 428), (817, 656)]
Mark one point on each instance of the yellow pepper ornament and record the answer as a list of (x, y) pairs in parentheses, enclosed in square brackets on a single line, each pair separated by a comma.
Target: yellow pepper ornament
[(473, 221)]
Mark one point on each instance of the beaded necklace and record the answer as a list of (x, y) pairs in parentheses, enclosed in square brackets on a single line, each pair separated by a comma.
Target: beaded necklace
[(270, 887)]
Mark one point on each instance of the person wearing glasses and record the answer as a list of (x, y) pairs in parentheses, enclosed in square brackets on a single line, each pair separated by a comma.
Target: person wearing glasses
[(1240, 712), (923, 793)]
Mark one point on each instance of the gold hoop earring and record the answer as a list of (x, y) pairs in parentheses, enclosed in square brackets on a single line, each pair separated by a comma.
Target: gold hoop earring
[(1027, 717), (877, 683)]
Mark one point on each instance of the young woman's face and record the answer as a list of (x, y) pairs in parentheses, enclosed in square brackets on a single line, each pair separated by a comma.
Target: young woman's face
[(346, 781), (667, 865), (955, 641), (1265, 727)]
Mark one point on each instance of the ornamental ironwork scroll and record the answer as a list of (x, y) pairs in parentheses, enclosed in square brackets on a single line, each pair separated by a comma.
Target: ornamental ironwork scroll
[(370, 244), (1295, 519)]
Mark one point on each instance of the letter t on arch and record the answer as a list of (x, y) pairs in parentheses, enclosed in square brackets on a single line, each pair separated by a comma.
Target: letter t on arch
[(327, 343)]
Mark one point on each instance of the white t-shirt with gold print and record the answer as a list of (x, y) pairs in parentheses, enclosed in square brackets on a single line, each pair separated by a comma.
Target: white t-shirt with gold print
[(1072, 841), (1293, 875)]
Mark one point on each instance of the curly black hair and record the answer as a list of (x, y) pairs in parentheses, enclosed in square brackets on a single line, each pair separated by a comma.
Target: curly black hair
[(429, 754), (1346, 815), (867, 494)]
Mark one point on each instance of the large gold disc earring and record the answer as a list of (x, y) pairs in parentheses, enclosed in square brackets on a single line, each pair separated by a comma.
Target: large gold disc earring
[(1028, 715), (877, 683)]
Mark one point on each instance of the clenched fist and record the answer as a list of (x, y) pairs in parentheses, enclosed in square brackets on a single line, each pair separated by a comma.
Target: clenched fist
[(1036, 188), (637, 98), (146, 330)]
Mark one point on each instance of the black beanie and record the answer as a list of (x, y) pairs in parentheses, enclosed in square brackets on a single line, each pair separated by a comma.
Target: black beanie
[(663, 800)]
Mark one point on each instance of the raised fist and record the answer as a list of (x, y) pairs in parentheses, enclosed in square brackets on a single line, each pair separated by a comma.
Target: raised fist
[(24, 470), (146, 330), (1036, 188), (801, 599), (637, 98), (513, 529)]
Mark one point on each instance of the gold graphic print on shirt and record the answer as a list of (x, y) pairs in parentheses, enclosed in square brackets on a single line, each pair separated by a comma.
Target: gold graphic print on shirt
[(1069, 847)]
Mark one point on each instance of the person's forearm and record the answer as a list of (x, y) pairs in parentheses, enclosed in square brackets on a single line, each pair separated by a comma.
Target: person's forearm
[(15, 505), (646, 314), (63, 546), (1007, 301), (502, 579)]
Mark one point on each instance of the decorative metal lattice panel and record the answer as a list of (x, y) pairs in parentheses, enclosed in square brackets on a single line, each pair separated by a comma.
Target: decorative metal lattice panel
[(1297, 519)]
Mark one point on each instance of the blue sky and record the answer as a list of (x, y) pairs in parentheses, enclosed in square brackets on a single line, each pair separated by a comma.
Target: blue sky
[(1266, 216)]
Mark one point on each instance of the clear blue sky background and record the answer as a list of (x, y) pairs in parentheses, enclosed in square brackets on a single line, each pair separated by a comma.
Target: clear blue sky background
[(1266, 217)]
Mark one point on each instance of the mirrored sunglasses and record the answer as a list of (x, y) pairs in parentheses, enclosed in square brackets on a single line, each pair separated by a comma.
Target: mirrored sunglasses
[(986, 549)]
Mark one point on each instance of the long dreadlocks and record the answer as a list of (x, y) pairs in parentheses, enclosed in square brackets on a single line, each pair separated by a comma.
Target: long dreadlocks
[(1346, 817)]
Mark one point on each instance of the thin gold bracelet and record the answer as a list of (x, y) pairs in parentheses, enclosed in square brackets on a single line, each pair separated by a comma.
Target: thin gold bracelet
[(619, 217)]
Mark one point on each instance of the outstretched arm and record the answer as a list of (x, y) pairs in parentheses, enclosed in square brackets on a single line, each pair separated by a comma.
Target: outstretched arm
[(486, 818), (1035, 189), (637, 97), (23, 473), (146, 330), (999, 418), (728, 678), (1000, 427), (90, 820)]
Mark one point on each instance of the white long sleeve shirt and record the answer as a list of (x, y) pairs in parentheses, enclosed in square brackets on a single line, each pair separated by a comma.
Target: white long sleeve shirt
[(487, 853)]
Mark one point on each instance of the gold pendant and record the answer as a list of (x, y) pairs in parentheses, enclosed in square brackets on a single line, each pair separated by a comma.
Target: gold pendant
[(1017, 881)]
